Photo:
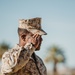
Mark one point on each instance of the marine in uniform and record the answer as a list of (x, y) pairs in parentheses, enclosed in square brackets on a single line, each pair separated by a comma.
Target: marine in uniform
[(21, 59)]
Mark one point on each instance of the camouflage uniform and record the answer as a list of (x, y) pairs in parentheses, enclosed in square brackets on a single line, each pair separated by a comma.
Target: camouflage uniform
[(18, 61)]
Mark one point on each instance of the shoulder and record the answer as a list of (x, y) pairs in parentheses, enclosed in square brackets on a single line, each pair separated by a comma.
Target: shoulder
[(39, 60), (41, 65)]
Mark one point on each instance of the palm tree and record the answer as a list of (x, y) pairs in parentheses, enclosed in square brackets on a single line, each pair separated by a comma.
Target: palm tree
[(3, 47), (55, 55)]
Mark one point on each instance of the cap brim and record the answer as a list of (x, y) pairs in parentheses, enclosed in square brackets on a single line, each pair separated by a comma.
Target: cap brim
[(36, 31)]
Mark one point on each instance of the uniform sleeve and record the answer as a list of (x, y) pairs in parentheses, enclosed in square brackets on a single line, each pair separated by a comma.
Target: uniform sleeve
[(16, 58)]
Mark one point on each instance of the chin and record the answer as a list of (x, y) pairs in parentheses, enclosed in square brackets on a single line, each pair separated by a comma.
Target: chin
[(37, 49)]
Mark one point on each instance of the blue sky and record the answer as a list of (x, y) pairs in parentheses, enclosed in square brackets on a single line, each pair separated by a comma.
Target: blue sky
[(58, 20)]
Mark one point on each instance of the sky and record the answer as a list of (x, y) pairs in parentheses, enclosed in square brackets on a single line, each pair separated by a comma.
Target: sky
[(58, 20)]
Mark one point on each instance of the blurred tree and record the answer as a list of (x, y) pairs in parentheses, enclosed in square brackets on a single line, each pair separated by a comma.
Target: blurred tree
[(55, 55), (3, 47)]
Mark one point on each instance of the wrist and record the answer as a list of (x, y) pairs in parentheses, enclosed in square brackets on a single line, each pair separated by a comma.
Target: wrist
[(29, 46)]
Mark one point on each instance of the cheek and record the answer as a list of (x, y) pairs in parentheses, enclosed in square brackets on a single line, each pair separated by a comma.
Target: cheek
[(27, 38)]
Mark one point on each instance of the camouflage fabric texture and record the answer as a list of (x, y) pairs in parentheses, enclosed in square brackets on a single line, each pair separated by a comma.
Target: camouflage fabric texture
[(18, 61), (33, 25)]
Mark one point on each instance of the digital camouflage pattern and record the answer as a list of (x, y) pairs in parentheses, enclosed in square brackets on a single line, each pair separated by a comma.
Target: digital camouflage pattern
[(33, 25), (18, 61)]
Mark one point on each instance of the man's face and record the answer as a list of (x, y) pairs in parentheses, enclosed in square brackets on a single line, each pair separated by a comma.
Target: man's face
[(26, 36), (38, 40)]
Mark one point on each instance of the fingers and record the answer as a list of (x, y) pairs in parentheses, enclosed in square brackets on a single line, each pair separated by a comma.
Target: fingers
[(35, 36), (32, 39), (35, 40), (38, 41)]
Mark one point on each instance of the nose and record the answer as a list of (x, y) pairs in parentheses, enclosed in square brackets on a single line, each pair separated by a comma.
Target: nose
[(41, 38)]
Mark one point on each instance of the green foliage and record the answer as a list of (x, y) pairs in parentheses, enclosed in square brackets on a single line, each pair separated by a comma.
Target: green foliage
[(3, 47), (55, 54)]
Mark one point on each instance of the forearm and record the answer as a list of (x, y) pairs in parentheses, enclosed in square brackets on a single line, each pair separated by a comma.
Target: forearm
[(24, 57), (14, 60)]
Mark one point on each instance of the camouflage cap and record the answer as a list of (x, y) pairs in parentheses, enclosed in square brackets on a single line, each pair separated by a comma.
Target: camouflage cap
[(32, 25)]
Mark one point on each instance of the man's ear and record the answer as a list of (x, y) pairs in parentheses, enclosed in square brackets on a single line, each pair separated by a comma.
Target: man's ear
[(23, 37)]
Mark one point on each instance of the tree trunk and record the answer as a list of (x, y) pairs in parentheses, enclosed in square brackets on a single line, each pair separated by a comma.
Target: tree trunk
[(55, 70)]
